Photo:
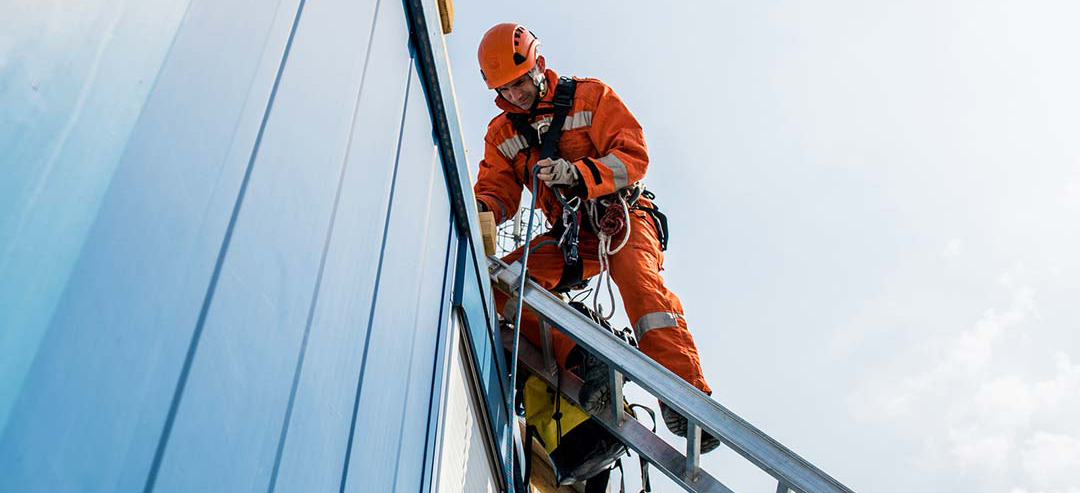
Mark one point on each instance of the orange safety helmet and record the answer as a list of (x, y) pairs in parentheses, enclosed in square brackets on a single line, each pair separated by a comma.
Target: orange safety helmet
[(507, 52)]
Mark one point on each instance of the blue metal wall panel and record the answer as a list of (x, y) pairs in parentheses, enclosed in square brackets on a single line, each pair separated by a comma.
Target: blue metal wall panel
[(92, 410), (386, 428), (69, 102), (434, 241), (312, 458), (232, 415), (435, 63), (432, 317), (432, 58), (260, 299)]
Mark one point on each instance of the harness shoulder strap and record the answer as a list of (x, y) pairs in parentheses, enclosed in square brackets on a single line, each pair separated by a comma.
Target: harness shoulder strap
[(563, 101)]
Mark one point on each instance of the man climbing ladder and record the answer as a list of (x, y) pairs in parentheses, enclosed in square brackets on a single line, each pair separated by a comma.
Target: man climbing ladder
[(582, 154)]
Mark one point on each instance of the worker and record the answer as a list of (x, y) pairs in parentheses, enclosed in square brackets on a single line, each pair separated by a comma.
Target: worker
[(598, 159)]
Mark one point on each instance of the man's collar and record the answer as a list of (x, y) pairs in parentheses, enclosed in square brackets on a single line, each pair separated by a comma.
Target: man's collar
[(552, 80)]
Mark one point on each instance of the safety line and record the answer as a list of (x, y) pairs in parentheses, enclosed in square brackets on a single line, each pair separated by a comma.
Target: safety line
[(510, 416)]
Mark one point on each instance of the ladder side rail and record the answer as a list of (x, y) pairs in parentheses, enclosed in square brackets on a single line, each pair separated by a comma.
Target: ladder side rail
[(742, 437)]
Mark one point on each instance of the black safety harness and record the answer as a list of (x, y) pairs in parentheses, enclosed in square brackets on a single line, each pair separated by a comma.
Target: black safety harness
[(567, 229)]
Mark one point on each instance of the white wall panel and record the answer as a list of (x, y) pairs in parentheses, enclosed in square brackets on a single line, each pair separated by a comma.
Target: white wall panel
[(463, 461)]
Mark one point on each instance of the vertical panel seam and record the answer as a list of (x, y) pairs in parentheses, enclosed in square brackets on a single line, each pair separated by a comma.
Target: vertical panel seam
[(375, 289), (185, 371), (419, 289), (322, 261), (427, 471)]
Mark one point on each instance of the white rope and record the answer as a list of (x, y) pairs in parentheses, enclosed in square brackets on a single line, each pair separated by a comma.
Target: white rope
[(604, 252), (626, 216)]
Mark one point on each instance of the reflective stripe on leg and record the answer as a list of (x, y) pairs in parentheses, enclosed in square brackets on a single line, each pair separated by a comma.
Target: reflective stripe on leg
[(655, 320)]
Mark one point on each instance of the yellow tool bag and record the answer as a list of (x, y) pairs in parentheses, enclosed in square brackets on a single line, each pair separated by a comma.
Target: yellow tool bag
[(579, 447)]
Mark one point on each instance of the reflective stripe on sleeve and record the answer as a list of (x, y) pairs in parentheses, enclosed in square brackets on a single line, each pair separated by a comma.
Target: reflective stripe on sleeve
[(655, 320), (510, 147), (618, 170), (578, 120)]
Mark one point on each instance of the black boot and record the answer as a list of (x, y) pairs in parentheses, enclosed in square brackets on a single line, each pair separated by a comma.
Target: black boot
[(677, 424), (596, 390)]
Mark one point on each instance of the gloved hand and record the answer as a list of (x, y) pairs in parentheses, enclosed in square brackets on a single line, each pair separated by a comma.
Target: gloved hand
[(558, 172)]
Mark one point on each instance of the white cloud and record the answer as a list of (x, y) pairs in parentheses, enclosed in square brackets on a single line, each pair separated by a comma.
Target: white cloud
[(953, 248), (983, 412), (971, 352), (1060, 397), (974, 447), (1071, 193), (1052, 461), (965, 361), (1005, 403)]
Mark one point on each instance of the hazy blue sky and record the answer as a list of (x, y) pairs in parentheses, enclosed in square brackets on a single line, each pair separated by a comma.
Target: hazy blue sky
[(875, 214)]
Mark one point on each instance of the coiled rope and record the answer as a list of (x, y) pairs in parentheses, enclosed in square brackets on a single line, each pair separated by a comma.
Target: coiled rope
[(616, 219)]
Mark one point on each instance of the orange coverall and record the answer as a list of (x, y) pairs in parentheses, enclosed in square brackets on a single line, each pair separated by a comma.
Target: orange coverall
[(606, 145)]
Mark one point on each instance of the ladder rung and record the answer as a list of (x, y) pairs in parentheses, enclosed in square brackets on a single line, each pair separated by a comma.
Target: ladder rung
[(693, 450), (616, 401), (549, 352)]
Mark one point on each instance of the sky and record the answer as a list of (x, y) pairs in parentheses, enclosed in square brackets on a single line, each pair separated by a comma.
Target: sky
[(875, 214)]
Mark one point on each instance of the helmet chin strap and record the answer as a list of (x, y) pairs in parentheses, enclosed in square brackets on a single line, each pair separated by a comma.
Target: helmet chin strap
[(541, 85), (540, 81)]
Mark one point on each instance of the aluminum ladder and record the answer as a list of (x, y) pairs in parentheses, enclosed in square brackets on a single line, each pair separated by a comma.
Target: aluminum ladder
[(793, 473)]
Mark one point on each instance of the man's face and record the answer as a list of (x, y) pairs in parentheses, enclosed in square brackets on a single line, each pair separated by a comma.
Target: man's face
[(521, 92)]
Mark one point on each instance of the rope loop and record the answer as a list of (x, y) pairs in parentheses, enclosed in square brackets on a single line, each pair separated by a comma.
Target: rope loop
[(615, 220)]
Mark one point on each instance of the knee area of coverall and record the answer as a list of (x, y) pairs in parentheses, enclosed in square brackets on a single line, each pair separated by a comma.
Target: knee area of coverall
[(636, 270), (674, 349)]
